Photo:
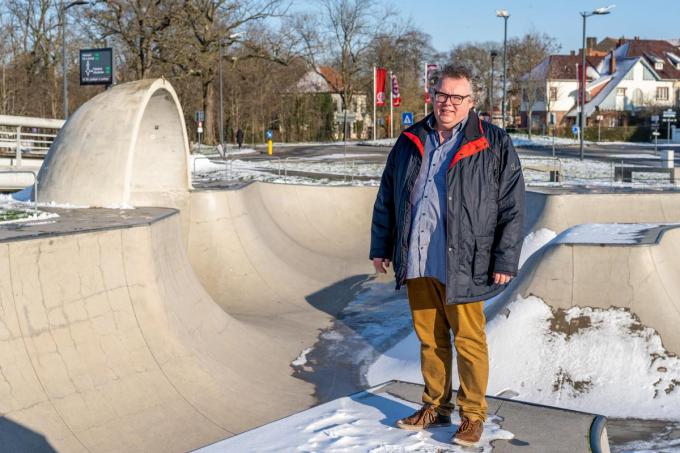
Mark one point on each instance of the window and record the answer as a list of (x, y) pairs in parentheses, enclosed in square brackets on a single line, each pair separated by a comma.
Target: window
[(658, 65), (553, 93), (620, 91), (662, 93)]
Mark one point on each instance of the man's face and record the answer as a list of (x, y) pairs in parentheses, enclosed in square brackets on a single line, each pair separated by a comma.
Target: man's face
[(446, 113)]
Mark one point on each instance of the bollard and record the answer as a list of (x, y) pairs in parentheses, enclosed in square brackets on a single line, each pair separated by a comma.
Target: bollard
[(667, 157), (269, 147)]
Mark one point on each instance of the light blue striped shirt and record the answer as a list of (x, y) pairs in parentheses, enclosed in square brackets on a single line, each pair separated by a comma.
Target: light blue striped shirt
[(427, 243)]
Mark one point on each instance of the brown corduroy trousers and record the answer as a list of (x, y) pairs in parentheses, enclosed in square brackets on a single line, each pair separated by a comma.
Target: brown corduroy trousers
[(433, 321)]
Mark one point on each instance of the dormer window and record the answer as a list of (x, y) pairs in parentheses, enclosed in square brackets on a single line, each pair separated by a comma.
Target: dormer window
[(658, 65)]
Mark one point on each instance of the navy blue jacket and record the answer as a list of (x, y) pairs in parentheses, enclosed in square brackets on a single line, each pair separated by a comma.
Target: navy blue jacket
[(485, 209)]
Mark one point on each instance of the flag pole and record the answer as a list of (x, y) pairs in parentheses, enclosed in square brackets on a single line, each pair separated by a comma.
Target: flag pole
[(425, 85), (373, 102), (391, 106)]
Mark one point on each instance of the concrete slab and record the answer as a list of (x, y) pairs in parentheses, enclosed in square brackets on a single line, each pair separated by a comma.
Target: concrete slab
[(536, 428)]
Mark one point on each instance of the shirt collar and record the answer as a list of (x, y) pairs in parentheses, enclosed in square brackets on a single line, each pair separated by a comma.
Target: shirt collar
[(431, 122)]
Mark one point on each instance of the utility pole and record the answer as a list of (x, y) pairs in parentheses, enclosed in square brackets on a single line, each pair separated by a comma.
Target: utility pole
[(505, 15), (582, 91)]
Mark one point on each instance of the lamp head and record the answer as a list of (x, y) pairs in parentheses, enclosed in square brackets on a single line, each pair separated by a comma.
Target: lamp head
[(604, 10), (502, 13)]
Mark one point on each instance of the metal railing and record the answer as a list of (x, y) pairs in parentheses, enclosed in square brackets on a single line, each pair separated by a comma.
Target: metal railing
[(35, 184), (19, 134)]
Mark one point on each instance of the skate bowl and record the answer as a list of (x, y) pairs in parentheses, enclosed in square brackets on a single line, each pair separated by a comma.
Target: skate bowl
[(173, 325)]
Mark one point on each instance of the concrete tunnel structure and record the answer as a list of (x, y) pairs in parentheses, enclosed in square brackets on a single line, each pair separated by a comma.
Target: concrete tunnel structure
[(146, 328)]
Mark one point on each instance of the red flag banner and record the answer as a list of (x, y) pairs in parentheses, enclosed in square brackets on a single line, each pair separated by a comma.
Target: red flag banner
[(430, 68), (380, 77), (396, 98)]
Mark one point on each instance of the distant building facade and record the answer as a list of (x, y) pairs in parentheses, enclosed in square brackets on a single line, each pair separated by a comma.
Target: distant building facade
[(623, 78), (327, 80)]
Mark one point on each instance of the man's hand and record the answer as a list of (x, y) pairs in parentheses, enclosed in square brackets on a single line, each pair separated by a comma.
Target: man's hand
[(498, 277), (381, 265)]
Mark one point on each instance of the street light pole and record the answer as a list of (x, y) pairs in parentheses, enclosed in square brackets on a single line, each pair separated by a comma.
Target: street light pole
[(582, 91), (505, 15), (221, 101), (231, 37), (494, 54), (64, 68)]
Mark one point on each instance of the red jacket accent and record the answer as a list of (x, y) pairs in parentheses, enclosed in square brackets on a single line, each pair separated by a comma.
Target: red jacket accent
[(414, 138), (472, 147)]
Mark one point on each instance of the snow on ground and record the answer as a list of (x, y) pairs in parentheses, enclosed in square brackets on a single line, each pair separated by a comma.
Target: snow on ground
[(379, 142), (362, 169), (363, 422), (606, 233), (589, 369)]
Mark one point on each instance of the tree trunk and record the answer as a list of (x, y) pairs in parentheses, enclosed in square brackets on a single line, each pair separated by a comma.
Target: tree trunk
[(210, 113)]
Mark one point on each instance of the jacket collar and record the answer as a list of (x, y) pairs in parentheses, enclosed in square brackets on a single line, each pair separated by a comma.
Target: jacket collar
[(419, 131)]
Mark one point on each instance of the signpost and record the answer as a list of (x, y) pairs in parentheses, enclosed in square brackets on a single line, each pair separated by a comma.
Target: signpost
[(270, 145), (406, 119), (96, 66), (575, 130)]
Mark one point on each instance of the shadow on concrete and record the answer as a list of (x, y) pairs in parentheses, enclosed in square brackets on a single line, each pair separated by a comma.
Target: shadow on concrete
[(333, 299), (17, 438), (369, 318)]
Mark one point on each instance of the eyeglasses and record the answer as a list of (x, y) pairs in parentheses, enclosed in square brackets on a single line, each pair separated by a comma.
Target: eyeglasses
[(443, 98)]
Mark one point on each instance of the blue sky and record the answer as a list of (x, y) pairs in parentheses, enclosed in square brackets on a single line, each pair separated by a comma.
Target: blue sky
[(454, 22)]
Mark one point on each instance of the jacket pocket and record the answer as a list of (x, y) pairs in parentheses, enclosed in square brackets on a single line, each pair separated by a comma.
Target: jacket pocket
[(481, 260)]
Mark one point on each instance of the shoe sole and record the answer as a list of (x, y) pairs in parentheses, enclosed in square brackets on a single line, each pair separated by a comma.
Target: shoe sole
[(420, 428), (465, 443)]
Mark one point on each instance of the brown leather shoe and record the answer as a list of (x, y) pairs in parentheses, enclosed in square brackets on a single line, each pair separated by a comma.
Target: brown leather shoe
[(469, 432), (425, 417)]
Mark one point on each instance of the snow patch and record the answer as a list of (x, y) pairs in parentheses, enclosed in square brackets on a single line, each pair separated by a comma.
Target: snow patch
[(302, 358), (362, 422)]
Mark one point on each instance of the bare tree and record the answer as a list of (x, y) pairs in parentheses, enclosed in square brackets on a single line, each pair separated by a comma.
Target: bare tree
[(141, 27), (340, 35)]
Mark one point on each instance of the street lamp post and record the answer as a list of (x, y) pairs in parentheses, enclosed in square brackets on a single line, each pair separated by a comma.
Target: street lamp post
[(582, 91), (493, 54), (64, 67), (505, 15), (231, 37)]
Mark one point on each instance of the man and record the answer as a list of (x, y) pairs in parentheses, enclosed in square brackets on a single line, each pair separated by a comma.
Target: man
[(239, 137), (449, 214)]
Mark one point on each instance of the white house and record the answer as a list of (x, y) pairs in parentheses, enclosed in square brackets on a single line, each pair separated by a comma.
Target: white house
[(635, 75)]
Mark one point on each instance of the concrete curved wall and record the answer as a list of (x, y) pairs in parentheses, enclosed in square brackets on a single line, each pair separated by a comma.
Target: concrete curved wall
[(641, 278), (125, 147)]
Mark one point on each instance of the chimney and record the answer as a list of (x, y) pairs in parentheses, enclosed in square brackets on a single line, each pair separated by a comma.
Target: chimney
[(637, 38), (591, 42), (572, 53), (612, 63)]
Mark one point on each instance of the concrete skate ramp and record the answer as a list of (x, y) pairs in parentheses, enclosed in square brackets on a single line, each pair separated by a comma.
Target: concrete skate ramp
[(126, 146), (110, 343), (559, 211), (642, 278)]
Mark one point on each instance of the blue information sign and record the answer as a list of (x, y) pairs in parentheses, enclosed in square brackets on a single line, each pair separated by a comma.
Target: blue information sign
[(574, 130), (269, 134), (407, 118)]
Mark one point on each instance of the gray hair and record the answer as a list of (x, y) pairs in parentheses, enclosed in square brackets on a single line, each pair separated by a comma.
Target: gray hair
[(456, 71)]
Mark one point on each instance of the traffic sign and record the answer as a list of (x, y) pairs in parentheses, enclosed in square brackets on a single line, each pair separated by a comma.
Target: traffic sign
[(199, 116), (655, 118), (406, 118), (269, 134), (669, 113), (574, 130)]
